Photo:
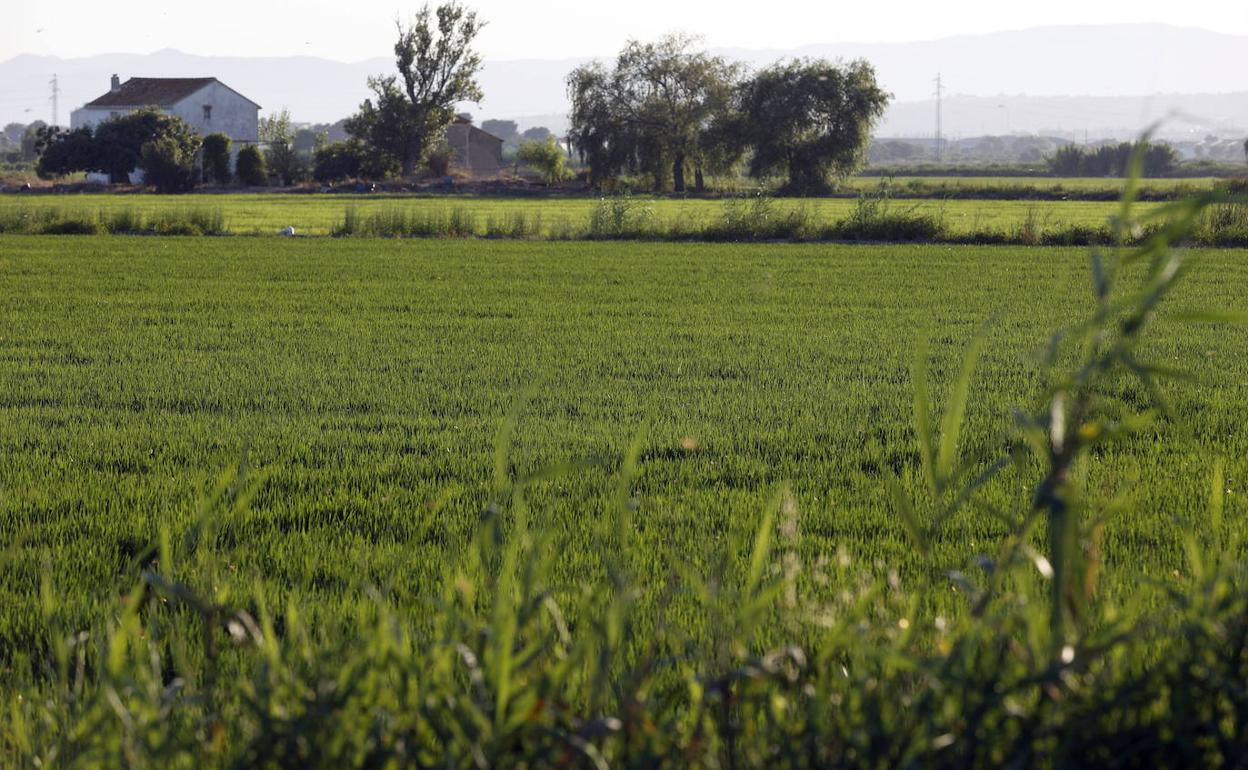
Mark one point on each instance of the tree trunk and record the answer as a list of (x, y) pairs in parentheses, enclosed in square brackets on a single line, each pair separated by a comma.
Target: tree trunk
[(411, 158), (678, 173), (699, 182)]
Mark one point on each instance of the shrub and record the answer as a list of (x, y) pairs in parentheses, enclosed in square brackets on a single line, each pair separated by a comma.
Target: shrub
[(620, 216), (337, 161), (168, 162), (125, 221), (756, 218), (217, 158), (250, 168), (546, 156), (874, 219), (351, 159)]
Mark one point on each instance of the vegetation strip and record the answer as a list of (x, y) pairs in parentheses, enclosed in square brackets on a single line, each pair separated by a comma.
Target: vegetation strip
[(757, 218)]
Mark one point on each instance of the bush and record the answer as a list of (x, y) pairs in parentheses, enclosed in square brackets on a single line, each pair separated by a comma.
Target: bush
[(217, 158), (874, 219), (620, 217), (546, 156), (351, 159), (168, 162), (250, 168)]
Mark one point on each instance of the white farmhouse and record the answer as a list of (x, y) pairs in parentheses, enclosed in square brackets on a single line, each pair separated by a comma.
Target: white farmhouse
[(207, 104)]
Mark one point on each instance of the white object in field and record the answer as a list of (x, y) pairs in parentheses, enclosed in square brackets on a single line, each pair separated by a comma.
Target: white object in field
[(288, 231)]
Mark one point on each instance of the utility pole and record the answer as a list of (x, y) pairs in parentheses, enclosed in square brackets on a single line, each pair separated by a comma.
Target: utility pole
[(940, 90), (56, 95)]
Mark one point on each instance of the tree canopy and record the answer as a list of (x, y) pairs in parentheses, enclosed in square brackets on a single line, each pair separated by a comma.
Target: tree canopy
[(113, 147), (811, 120), (437, 68), (655, 111)]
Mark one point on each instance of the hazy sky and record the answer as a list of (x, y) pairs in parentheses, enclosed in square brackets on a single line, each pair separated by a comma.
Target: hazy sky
[(357, 29)]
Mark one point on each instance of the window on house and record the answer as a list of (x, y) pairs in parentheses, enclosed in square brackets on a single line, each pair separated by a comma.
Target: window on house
[(207, 112)]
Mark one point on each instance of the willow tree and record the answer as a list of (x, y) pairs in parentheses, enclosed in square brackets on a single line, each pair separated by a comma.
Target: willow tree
[(437, 68), (811, 120), (654, 111)]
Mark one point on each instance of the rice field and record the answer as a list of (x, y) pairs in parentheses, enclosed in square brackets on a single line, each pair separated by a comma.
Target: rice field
[(367, 380)]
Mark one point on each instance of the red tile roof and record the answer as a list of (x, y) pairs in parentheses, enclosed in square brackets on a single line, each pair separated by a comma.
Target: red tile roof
[(151, 92)]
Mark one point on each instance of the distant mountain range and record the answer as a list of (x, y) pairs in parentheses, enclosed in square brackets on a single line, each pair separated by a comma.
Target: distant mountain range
[(1069, 79)]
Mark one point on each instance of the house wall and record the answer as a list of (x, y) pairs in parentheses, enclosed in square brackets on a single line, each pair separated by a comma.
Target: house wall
[(474, 151), (231, 114)]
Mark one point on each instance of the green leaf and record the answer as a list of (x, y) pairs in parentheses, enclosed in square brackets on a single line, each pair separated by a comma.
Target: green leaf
[(1217, 496), (955, 412), (923, 418), (762, 545), (1100, 282), (905, 509)]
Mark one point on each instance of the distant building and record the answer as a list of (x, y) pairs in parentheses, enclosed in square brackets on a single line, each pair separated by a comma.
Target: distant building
[(206, 104), (474, 152)]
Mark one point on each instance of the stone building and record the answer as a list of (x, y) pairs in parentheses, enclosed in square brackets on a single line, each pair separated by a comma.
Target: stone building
[(474, 152)]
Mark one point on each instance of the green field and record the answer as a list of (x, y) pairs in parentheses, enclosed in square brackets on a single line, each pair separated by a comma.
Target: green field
[(315, 214), (367, 380), (1043, 182)]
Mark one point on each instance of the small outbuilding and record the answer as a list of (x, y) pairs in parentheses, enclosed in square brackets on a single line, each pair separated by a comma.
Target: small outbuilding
[(474, 152)]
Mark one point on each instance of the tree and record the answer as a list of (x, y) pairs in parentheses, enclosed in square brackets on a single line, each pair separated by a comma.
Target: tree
[(507, 130), (547, 157), (1113, 160), (168, 161), (537, 134), (811, 120), (249, 167), (30, 140), (598, 132), (1246, 149), (66, 152), (217, 158), (113, 147), (120, 140), (654, 111), (307, 140), (278, 135), (1067, 161), (13, 132), (349, 159), (437, 68)]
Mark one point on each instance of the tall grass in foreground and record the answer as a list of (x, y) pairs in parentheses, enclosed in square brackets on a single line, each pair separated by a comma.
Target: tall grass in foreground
[(747, 668), (63, 220)]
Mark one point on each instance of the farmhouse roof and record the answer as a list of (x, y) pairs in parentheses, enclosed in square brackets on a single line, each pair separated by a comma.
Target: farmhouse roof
[(474, 130), (153, 92)]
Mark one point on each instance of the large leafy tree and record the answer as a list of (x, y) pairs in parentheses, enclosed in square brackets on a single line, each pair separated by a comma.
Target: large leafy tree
[(168, 160), (656, 110), (114, 147), (66, 152), (811, 120), (277, 132), (437, 68)]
